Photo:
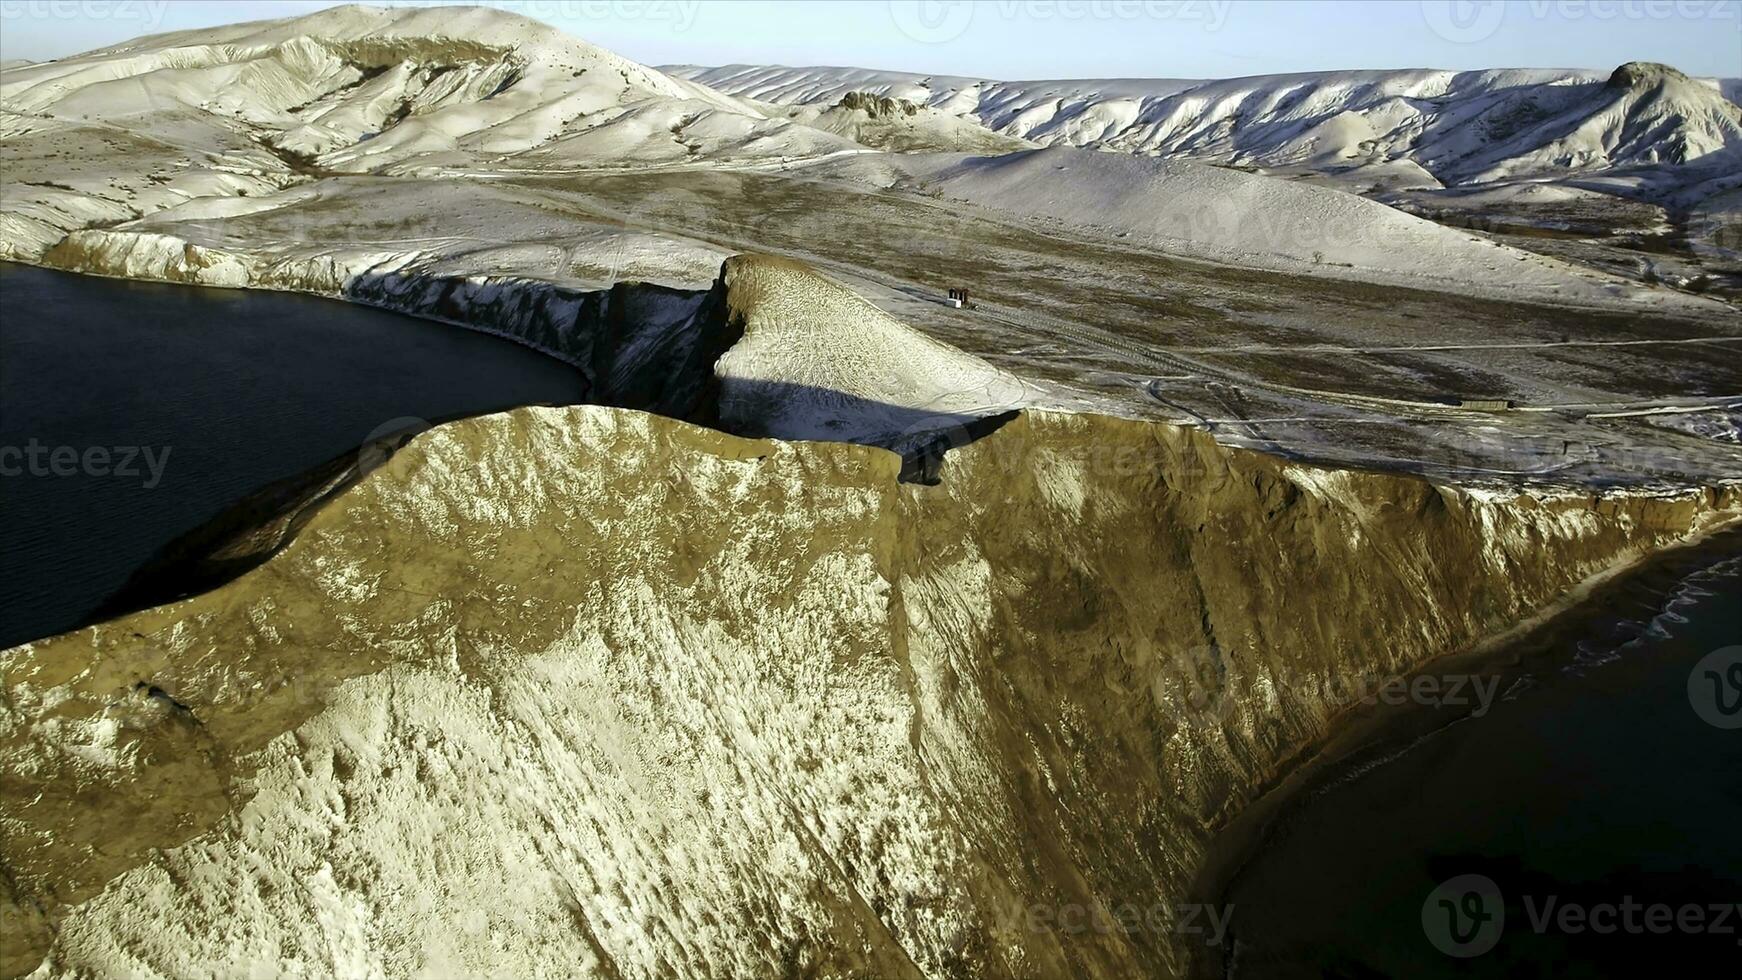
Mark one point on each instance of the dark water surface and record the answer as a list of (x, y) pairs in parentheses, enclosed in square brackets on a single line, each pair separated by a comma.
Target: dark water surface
[(1595, 778), (204, 395)]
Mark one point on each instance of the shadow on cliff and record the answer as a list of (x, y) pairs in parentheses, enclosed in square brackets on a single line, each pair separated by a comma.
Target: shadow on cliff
[(653, 348)]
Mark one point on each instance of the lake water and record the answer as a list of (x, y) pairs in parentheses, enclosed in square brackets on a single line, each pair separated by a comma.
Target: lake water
[(1595, 778), (166, 403)]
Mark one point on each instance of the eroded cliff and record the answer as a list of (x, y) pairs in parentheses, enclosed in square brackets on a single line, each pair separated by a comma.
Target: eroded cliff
[(592, 691), (772, 349), (639, 345)]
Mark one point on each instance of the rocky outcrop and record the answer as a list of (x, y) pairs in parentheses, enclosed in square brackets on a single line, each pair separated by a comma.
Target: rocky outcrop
[(1635, 74), (876, 105), (594, 692)]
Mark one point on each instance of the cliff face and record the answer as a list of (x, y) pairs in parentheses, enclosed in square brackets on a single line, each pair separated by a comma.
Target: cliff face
[(590, 688), (639, 345), (773, 348)]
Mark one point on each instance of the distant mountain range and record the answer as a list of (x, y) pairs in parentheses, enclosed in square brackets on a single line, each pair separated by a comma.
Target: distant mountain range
[(1643, 130), (252, 109), (359, 89)]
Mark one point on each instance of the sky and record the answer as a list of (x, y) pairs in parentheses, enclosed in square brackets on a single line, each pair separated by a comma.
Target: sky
[(1017, 39)]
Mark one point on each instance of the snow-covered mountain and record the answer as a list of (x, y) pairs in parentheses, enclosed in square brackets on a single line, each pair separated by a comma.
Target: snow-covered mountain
[(249, 109), (1647, 130), (183, 125), (357, 89)]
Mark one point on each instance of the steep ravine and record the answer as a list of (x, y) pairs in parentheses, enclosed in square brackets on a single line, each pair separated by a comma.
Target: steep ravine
[(589, 690)]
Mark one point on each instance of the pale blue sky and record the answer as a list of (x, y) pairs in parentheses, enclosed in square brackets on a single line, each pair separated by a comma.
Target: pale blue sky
[(1034, 38)]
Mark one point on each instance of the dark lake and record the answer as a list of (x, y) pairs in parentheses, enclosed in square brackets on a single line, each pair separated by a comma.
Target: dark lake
[(131, 413), (1595, 778)]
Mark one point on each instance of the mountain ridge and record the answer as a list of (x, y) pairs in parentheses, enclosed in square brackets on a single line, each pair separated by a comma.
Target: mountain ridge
[(359, 89), (1041, 684), (1662, 136)]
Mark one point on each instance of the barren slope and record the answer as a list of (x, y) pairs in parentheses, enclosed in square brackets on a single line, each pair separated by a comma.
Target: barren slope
[(1210, 212), (592, 692)]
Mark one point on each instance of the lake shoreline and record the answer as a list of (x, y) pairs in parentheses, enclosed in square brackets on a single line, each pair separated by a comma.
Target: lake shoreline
[(211, 395), (1371, 736)]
